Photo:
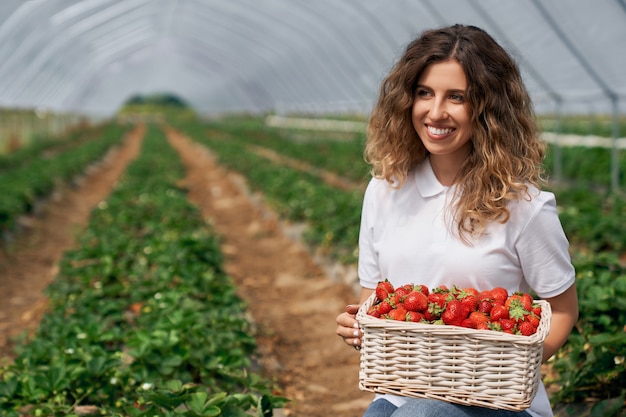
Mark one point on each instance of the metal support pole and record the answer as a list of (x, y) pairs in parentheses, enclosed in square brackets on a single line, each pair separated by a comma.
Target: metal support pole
[(614, 150)]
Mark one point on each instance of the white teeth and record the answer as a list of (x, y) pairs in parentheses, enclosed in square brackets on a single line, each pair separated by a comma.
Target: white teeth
[(437, 131)]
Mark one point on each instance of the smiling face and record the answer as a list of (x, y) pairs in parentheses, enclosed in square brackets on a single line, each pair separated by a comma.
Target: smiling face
[(441, 117)]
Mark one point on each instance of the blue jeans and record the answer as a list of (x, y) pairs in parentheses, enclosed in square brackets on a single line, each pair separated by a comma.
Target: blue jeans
[(417, 407)]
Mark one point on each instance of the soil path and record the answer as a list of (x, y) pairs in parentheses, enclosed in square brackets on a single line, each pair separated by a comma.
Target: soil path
[(293, 302), (29, 262)]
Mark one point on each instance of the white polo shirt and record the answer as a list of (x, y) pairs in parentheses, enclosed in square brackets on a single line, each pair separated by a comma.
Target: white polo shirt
[(406, 237)]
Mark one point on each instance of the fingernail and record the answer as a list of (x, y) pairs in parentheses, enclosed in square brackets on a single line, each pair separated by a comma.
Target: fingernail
[(356, 333), (356, 325), (355, 341)]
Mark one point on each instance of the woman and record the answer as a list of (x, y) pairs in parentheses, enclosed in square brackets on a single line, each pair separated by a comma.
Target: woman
[(454, 198)]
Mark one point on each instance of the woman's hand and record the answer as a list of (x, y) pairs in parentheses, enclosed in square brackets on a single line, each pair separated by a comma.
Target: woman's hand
[(348, 327)]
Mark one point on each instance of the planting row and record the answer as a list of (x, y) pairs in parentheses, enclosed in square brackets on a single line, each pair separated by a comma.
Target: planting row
[(592, 365), (32, 174), (296, 195), (143, 320)]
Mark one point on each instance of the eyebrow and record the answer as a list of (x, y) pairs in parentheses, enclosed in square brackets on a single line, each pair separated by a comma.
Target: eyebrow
[(452, 90)]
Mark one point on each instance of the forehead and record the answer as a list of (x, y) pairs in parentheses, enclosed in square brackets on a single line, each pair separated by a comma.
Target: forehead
[(446, 73)]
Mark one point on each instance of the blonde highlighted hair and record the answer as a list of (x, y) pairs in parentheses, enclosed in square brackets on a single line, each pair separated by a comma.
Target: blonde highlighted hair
[(506, 155)]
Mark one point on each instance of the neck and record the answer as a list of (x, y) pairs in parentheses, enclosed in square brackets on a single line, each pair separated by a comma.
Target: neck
[(445, 169)]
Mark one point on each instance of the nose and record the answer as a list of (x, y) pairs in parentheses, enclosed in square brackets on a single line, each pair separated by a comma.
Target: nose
[(438, 109)]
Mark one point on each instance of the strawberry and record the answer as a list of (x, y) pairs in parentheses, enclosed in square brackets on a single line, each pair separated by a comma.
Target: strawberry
[(522, 300), (485, 306), (415, 301), (532, 319), (374, 311), (480, 320), (526, 328), (485, 295), (422, 288), (527, 301), (536, 310), (398, 313), (408, 287), (432, 313), (384, 289), (471, 291), (507, 325), (470, 301), (499, 295), (395, 299), (438, 298), (499, 312), (414, 316), (469, 323), (385, 307), (402, 292), (454, 313)]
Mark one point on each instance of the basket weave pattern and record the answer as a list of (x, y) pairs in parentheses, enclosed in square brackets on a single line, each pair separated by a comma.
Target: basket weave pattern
[(455, 364)]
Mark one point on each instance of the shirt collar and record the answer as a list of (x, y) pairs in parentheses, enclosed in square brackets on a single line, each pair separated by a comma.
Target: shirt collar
[(427, 183)]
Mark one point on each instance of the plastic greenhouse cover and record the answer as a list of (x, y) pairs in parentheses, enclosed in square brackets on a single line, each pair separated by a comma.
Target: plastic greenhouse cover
[(289, 55)]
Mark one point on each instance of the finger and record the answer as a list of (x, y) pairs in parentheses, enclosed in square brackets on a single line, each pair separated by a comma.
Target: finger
[(347, 320), (352, 308), (349, 332)]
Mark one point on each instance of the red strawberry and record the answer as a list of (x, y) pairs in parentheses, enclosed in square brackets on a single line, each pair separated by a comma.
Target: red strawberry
[(395, 299), (384, 307), (499, 312), (454, 313), (470, 301), (471, 291), (532, 319), (422, 288), (469, 323), (485, 306), (527, 301), (384, 289), (408, 287), (414, 316), (397, 314), (526, 328), (402, 292), (374, 311), (438, 298), (416, 301), (536, 310), (485, 295), (507, 325), (432, 313), (479, 319), (499, 295)]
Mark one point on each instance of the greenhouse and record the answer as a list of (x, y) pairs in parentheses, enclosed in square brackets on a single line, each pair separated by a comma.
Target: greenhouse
[(182, 184)]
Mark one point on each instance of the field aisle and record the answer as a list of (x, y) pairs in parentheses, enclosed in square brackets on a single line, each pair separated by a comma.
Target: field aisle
[(29, 264), (293, 302)]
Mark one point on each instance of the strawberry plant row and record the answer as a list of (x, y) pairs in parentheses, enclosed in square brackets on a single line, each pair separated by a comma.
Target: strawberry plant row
[(22, 186), (319, 149), (331, 214), (44, 147), (143, 320), (586, 167)]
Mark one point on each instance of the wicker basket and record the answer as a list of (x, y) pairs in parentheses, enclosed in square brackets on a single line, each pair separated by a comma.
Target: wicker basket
[(465, 366)]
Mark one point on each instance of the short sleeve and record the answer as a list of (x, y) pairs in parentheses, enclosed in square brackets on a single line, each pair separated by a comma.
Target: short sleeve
[(543, 250)]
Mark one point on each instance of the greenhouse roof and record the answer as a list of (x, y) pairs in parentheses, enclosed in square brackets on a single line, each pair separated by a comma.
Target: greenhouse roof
[(285, 56)]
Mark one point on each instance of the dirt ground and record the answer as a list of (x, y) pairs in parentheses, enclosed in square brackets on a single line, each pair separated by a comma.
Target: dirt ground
[(293, 295)]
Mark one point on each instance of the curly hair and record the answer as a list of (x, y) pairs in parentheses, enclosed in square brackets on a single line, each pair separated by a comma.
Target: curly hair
[(506, 155)]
